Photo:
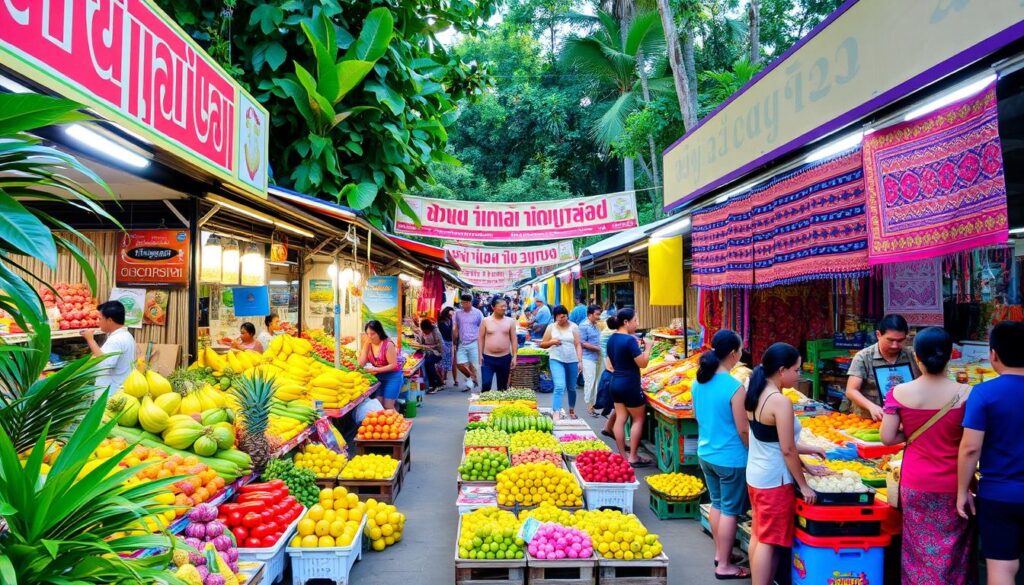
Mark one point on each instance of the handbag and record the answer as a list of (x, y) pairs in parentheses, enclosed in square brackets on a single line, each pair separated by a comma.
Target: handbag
[(892, 479)]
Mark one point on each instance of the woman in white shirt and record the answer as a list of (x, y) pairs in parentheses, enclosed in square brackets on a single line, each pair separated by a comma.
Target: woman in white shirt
[(562, 340)]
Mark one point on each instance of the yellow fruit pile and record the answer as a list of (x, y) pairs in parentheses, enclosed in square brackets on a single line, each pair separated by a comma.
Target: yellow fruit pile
[(865, 471), (550, 514), (289, 361), (371, 466), (384, 524), (321, 460), (827, 426), (283, 427), (527, 439), (332, 522), (619, 536), (679, 485), (535, 483)]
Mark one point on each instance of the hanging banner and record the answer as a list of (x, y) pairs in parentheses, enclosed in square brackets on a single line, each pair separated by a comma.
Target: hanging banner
[(153, 258), (494, 280), (530, 256), (381, 302), (134, 66), (519, 222)]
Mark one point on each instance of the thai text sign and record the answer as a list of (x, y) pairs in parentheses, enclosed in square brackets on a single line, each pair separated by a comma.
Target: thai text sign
[(495, 280), (130, 63), (153, 258), (519, 222), (870, 55), (529, 256)]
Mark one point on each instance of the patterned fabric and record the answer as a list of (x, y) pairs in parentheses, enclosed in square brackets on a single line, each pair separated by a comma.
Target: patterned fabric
[(793, 314), (936, 540), (914, 290), (722, 252), (810, 224), (446, 356), (936, 185)]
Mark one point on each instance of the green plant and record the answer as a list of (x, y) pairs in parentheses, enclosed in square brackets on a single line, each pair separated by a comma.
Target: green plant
[(255, 394), (71, 524)]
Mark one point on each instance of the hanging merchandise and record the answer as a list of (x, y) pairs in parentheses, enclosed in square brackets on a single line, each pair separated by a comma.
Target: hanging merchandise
[(428, 304), (935, 184), (254, 269), (278, 248), (211, 260), (665, 258), (230, 263), (722, 252), (914, 290)]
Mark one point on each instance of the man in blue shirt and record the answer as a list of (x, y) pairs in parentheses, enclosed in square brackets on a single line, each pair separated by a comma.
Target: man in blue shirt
[(993, 434), (578, 314), (540, 320), (590, 339)]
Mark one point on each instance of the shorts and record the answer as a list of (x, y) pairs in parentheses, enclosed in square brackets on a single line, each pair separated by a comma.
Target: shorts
[(774, 514), (626, 391), (1001, 525), (728, 488), (390, 385), (468, 353)]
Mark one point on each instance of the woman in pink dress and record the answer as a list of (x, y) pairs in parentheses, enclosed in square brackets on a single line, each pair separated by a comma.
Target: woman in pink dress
[(936, 541)]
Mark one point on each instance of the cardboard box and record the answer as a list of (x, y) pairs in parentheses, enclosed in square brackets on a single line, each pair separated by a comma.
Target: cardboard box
[(164, 356)]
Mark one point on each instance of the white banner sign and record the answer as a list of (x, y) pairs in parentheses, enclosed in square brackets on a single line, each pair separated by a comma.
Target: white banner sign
[(519, 222), (494, 280), (527, 256)]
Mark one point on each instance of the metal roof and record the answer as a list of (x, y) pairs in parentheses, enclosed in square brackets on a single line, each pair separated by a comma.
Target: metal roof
[(621, 240)]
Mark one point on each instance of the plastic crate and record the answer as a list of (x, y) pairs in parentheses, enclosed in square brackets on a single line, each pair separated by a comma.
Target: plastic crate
[(666, 510), (333, 564), (598, 495), (842, 520), (273, 556)]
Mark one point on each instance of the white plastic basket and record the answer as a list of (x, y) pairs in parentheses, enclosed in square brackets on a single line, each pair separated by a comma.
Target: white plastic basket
[(607, 495), (333, 564), (273, 556)]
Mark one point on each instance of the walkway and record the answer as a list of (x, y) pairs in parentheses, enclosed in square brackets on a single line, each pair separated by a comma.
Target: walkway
[(426, 552)]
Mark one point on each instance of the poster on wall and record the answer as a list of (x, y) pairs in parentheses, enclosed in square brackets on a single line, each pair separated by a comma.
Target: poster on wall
[(321, 297), (381, 302), (251, 301), (154, 258), (155, 312), (133, 299)]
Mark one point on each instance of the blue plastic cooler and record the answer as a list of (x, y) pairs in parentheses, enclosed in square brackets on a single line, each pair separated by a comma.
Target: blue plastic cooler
[(839, 560)]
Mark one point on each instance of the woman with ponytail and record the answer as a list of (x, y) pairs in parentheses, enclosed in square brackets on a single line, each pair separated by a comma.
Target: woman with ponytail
[(722, 444), (625, 358), (773, 463)]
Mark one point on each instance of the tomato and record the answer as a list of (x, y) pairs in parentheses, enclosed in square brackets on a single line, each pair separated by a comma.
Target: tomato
[(240, 533), (233, 519), (262, 531), (274, 484), (253, 543), (252, 520), (290, 501), (267, 516)]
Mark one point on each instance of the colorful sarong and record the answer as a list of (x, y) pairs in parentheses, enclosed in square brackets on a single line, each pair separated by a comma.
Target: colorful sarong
[(935, 184), (722, 253), (914, 290), (936, 540)]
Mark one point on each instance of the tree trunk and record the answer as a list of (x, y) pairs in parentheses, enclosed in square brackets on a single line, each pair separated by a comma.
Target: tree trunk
[(628, 181), (754, 13), (685, 91), (645, 88), (690, 66)]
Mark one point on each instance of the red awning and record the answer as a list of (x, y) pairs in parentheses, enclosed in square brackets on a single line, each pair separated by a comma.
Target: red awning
[(426, 252)]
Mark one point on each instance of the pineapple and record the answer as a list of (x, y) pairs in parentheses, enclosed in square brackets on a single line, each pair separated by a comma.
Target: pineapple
[(254, 394)]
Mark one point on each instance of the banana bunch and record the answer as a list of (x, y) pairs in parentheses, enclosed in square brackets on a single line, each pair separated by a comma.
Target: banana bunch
[(202, 400), (233, 361), (281, 346), (298, 409), (336, 388)]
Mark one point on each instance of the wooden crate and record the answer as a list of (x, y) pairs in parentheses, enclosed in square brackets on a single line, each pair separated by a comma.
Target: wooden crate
[(400, 450), (382, 490), (563, 572), (635, 572)]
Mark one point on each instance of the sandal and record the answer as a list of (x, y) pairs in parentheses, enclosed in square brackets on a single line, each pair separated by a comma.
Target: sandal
[(734, 559), (608, 433), (572, 414), (741, 573), (641, 462)]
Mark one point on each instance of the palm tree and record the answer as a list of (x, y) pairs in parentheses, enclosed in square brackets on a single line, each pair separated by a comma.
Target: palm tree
[(618, 59), (721, 85)]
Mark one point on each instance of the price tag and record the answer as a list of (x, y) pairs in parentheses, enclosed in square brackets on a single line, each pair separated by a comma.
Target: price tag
[(529, 529)]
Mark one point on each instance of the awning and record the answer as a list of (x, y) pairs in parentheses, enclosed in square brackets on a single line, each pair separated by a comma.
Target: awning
[(621, 240), (426, 252)]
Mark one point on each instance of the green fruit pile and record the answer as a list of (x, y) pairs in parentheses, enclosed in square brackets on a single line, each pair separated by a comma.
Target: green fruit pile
[(527, 439), (301, 482), (482, 465), (574, 448), (486, 438), (510, 395), (477, 424), (867, 435), (523, 423), (513, 410), (489, 534)]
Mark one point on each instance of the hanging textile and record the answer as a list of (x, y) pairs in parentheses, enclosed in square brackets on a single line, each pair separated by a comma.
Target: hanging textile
[(428, 304), (568, 294), (809, 223), (793, 314), (665, 259), (914, 290), (722, 252), (935, 185)]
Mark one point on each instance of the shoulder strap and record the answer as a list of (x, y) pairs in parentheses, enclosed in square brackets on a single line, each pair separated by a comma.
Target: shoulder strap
[(935, 417)]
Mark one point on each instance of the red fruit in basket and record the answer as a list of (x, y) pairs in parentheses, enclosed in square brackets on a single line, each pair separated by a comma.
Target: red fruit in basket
[(604, 467), (241, 534)]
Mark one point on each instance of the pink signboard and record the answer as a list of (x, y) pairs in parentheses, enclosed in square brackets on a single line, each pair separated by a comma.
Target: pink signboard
[(499, 257)]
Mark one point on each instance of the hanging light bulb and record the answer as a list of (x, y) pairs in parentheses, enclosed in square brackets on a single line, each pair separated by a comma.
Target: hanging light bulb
[(253, 266), (229, 263), (211, 260)]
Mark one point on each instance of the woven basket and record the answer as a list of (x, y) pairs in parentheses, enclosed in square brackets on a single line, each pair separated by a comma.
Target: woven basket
[(677, 499), (525, 376)]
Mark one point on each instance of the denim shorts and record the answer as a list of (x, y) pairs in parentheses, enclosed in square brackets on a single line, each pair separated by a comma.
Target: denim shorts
[(728, 488), (468, 353)]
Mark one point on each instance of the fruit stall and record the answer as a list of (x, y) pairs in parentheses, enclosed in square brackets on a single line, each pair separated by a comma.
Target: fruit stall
[(540, 500)]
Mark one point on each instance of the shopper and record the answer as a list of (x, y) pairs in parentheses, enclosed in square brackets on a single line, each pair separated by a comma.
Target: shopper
[(625, 358), (562, 340), (465, 332), (429, 341), (379, 356), (246, 339), (444, 325), (773, 460), (579, 312), (540, 319), (993, 434), (498, 346), (590, 340), (273, 325), (862, 392), (119, 345), (722, 444), (927, 414)]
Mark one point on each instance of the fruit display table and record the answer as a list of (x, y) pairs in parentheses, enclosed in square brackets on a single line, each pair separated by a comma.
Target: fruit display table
[(382, 490), (399, 449), (674, 432)]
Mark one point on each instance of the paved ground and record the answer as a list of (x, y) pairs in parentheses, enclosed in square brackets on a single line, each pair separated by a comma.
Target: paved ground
[(425, 555)]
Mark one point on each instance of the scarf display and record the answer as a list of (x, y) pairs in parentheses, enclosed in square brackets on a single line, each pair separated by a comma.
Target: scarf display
[(914, 290)]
